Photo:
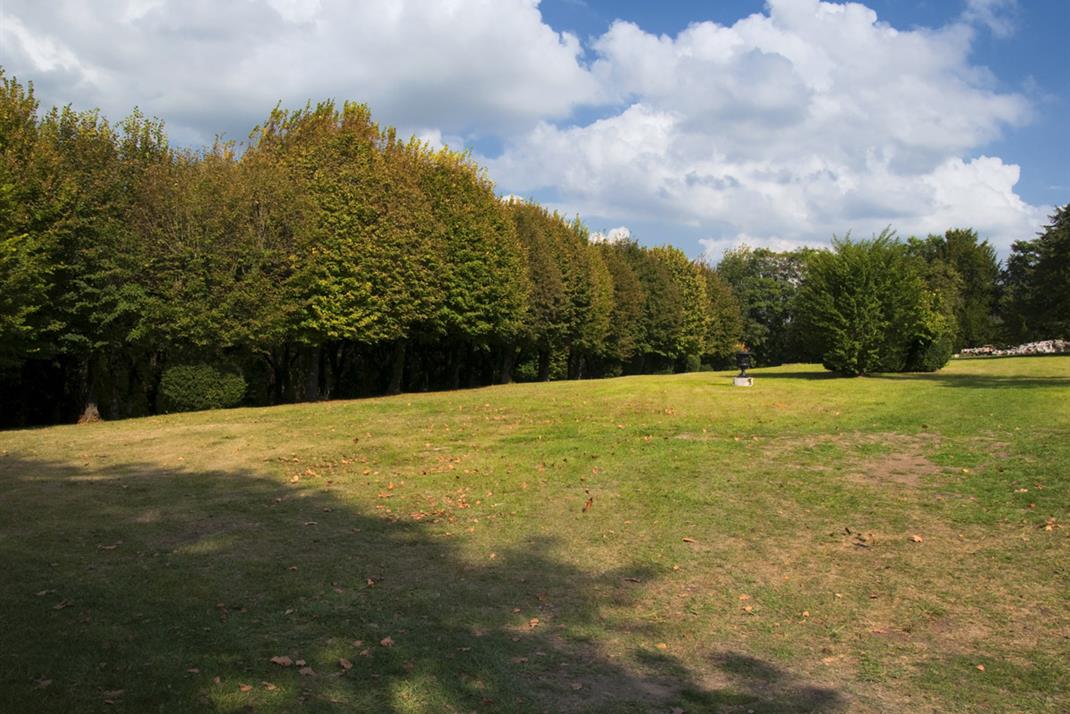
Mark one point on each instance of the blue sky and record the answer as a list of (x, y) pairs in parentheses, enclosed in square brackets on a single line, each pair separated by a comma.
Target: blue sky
[(1030, 55), (704, 125)]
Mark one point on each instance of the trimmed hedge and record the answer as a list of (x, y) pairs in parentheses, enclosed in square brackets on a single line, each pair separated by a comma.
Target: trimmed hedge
[(193, 387)]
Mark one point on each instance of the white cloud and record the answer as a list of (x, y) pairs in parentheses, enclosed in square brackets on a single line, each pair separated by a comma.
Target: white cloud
[(613, 235), (813, 119), (804, 120), (999, 16), (459, 67)]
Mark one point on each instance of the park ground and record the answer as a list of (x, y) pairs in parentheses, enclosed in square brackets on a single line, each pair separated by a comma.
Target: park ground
[(661, 543)]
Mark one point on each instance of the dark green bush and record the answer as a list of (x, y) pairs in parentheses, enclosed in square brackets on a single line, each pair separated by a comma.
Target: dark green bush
[(867, 308), (193, 387)]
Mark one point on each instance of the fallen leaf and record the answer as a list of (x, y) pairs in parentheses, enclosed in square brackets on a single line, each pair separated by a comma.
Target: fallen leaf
[(306, 672), (245, 687), (292, 567), (387, 641), (662, 646), (588, 504), (216, 680), (690, 540), (743, 598), (748, 608), (577, 685), (519, 660), (981, 667), (345, 664), (300, 663), (269, 686), (806, 613), (916, 538), (41, 683), (533, 623), (282, 661), (193, 670)]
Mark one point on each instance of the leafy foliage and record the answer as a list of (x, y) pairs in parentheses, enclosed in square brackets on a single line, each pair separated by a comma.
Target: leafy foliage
[(201, 386), (1037, 283), (868, 310)]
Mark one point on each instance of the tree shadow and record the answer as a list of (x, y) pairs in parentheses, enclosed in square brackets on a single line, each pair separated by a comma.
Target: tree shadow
[(981, 381), (808, 375), (146, 588)]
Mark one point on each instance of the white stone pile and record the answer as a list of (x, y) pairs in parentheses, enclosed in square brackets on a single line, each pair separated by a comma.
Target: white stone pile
[(1043, 347)]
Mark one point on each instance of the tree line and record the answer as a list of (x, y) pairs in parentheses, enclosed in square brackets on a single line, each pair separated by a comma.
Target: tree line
[(956, 291), (331, 258)]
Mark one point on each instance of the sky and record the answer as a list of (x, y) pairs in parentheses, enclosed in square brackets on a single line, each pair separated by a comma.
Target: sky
[(705, 125)]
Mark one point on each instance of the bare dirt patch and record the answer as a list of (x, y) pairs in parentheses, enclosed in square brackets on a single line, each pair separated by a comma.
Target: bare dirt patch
[(875, 459)]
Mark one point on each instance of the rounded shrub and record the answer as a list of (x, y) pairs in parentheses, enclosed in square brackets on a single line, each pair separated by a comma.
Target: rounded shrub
[(865, 308), (192, 387)]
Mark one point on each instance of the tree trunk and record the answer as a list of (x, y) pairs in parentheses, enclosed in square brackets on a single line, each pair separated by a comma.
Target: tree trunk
[(397, 368), (544, 365), (90, 412), (508, 361), (456, 363), (311, 390)]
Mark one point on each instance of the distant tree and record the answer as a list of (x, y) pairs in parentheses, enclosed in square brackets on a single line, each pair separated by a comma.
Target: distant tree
[(1037, 283), (726, 318), (975, 264), (626, 329), (482, 278), (25, 268), (868, 309), (690, 340), (766, 283)]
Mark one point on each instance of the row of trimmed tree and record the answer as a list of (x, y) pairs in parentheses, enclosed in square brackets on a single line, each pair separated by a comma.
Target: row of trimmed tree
[(328, 259)]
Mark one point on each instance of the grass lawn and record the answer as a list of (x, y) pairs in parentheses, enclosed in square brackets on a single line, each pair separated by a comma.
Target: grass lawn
[(663, 544)]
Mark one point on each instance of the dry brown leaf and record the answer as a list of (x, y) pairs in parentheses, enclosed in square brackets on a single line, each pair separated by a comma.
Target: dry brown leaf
[(577, 685), (282, 661), (387, 641), (533, 623), (345, 664), (307, 672), (268, 686), (662, 646), (588, 504), (916, 538), (245, 687), (690, 540), (981, 667)]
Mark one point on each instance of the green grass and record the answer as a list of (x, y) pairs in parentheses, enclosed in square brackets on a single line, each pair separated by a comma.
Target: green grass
[(159, 564)]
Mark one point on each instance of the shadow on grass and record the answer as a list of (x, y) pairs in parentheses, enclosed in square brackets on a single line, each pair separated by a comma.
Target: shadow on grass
[(146, 589), (969, 381), (986, 381)]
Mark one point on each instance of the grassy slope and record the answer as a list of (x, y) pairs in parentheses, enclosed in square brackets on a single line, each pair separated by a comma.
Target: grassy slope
[(172, 557)]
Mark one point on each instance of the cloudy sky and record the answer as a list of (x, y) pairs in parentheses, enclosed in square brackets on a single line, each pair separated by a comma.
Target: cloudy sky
[(701, 124)]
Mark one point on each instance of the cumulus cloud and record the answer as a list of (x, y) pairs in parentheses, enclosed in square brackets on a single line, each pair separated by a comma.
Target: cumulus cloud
[(613, 235), (815, 118), (807, 119), (999, 16), (460, 67)]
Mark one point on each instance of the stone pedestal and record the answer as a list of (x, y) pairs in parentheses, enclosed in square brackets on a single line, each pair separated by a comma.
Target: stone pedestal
[(743, 381)]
